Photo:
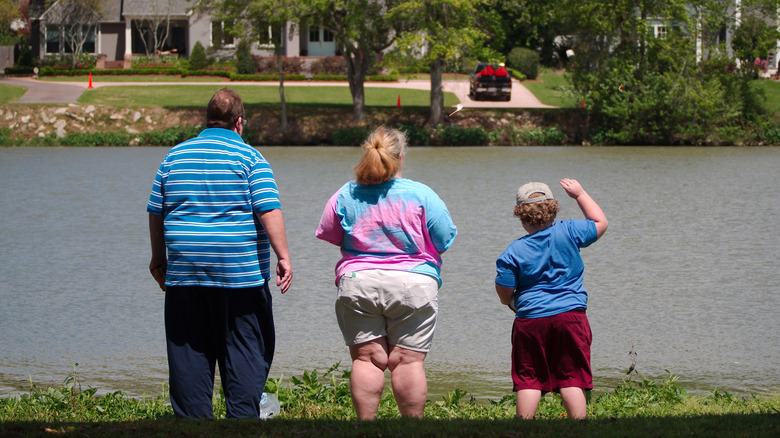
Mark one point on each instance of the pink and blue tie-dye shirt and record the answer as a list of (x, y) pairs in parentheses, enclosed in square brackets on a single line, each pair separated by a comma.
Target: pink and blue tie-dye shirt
[(399, 225)]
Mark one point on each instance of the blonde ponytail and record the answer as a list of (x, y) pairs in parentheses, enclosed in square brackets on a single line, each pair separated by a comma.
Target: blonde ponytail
[(381, 159)]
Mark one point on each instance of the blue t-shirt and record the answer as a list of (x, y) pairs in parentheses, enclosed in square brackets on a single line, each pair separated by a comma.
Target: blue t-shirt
[(546, 269), (209, 189)]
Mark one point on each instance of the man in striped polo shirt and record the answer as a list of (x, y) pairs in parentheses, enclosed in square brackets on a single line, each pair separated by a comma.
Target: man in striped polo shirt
[(214, 216)]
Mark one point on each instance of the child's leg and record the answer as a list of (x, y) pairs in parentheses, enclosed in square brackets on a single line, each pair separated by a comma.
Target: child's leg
[(575, 402), (527, 403)]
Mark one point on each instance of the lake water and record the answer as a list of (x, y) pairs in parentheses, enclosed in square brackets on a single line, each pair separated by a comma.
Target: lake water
[(686, 275)]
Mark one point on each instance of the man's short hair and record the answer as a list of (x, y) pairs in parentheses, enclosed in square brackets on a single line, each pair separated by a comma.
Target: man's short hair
[(224, 109)]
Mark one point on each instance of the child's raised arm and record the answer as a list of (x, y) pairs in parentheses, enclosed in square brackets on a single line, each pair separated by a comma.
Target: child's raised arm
[(589, 208)]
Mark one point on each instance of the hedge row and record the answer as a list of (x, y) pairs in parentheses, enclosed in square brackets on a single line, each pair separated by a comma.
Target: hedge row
[(233, 76)]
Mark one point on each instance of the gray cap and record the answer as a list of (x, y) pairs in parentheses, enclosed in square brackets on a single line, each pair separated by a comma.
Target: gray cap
[(526, 190)]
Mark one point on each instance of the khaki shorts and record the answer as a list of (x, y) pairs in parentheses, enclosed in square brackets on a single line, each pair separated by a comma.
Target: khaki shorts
[(400, 305)]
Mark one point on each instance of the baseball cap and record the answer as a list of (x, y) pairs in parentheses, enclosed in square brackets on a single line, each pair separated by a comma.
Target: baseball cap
[(526, 190)]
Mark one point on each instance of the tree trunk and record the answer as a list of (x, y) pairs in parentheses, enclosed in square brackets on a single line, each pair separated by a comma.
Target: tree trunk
[(437, 95), (356, 74), (283, 121)]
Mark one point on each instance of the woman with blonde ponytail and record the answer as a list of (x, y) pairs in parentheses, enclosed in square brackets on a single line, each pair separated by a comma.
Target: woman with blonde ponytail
[(391, 231)]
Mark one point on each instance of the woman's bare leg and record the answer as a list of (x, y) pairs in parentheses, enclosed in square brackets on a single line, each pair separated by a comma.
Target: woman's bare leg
[(407, 376), (369, 362)]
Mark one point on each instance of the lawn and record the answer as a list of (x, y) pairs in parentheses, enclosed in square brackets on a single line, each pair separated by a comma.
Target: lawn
[(10, 93), (552, 88), (771, 90), (184, 95)]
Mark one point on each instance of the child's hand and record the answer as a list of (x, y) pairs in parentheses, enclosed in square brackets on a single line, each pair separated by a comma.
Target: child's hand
[(572, 187)]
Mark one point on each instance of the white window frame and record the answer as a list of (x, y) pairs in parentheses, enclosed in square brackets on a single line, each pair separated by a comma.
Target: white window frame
[(222, 43)]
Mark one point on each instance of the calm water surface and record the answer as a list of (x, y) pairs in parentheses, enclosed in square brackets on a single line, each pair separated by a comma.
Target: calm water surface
[(686, 275)]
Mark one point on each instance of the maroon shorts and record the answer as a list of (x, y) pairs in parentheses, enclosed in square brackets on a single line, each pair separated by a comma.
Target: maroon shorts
[(552, 352)]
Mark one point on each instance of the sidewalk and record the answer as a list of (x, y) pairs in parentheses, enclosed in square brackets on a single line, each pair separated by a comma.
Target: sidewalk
[(69, 92)]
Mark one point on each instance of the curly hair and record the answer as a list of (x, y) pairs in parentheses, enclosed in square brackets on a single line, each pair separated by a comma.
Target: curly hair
[(537, 213)]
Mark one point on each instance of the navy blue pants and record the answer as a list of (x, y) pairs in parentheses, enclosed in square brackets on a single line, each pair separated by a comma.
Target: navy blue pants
[(234, 328)]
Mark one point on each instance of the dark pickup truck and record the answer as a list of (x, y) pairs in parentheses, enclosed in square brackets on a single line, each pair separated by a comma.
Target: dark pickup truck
[(490, 81)]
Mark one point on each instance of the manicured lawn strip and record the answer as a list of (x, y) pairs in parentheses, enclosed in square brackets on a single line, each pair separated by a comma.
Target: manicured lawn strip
[(552, 89), (10, 93), (195, 95)]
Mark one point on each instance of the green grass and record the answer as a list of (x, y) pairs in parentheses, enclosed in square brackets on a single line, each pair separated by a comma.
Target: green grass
[(771, 90), (262, 95), (552, 88), (320, 404), (10, 93)]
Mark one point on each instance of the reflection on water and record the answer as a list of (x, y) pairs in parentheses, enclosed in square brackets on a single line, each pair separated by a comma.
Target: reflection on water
[(686, 273)]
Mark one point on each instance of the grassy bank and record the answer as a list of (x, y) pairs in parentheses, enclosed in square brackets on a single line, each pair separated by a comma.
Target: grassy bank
[(320, 404)]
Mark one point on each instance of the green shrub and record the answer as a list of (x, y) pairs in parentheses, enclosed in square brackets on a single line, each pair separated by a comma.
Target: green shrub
[(198, 60), (538, 136), (415, 135), (25, 54), (11, 71), (245, 65), (96, 139), (170, 136), (220, 73), (455, 135), (770, 135), (525, 60), (353, 136)]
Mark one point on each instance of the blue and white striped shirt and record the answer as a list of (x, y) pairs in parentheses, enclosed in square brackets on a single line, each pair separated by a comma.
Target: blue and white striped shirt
[(209, 189)]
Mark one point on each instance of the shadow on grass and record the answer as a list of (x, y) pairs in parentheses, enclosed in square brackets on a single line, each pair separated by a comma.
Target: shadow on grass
[(752, 425)]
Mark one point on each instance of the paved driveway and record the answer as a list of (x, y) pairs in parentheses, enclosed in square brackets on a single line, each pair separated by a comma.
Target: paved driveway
[(69, 92)]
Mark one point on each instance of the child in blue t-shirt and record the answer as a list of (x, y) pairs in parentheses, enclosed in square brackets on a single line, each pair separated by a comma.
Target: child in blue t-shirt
[(539, 276)]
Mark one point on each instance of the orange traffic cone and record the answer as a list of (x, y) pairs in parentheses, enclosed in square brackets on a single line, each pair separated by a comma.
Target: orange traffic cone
[(90, 81), (399, 101)]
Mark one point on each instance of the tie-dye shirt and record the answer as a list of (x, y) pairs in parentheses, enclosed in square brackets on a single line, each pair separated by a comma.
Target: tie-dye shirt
[(399, 225)]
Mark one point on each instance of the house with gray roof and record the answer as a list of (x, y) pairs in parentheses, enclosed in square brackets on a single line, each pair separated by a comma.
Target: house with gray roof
[(127, 28)]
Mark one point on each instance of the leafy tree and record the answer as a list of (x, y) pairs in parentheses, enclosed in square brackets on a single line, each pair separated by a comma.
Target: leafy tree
[(534, 24), (438, 31), (652, 90), (9, 11), (263, 21), (364, 29), (755, 36)]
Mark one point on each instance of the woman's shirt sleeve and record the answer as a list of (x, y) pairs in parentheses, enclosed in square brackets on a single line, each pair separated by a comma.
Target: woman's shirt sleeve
[(330, 229)]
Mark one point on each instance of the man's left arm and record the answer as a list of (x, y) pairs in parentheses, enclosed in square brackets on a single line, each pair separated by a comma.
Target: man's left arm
[(273, 223)]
